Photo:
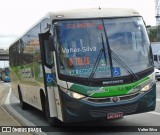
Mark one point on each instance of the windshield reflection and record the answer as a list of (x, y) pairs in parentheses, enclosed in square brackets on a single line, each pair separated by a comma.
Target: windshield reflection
[(80, 42)]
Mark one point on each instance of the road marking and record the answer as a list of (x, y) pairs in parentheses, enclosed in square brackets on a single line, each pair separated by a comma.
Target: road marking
[(158, 99), (8, 105), (154, 113)]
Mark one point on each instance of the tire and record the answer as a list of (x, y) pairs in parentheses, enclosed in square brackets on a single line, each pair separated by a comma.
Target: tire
[(23, 105), (53, 121), (158, 79)]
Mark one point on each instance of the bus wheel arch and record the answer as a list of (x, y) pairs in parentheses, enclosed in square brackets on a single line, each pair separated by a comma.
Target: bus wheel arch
[(22, 103), (53, 121)]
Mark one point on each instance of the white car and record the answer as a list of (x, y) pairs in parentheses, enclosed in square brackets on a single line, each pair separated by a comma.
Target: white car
[(157, 74)]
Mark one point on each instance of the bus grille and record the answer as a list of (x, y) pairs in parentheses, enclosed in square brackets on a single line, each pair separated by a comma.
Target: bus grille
[(108, 99), (102, 112)]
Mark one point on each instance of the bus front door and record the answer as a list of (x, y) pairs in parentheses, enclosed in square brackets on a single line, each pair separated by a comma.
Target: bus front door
[(51, 96)]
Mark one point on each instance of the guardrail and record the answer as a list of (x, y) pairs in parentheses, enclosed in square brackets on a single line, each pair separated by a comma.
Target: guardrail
[(4, 54)]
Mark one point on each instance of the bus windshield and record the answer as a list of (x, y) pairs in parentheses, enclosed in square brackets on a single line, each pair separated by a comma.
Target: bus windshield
[(83, 47)]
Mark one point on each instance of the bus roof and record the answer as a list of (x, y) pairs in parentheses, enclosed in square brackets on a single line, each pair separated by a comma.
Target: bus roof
[(93, 13), (85, 13)]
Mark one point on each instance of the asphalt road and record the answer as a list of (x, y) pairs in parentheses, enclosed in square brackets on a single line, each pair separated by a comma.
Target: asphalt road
[(35, 117)]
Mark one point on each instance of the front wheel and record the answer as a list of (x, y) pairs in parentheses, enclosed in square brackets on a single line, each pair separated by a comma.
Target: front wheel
[(53, 121)]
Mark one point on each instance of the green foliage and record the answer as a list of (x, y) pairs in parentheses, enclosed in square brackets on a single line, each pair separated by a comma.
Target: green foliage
[(154, 34)]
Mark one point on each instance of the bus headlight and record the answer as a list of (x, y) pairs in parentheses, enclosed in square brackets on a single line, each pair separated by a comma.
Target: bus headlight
[(77, 95), (147, 87), (72, 94)]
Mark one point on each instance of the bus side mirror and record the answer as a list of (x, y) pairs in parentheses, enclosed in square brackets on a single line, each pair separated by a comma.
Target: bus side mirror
[(51, 43)]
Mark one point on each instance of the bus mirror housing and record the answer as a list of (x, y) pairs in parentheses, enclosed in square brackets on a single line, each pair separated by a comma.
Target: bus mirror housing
[(51, 38), (51, 43)]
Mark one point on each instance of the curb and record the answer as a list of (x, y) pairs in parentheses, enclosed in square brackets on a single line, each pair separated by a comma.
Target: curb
[(23, 121)]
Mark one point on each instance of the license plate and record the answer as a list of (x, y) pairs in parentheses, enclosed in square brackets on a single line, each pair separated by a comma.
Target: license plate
[(114, 115)]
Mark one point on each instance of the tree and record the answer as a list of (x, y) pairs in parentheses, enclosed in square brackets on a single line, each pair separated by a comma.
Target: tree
[(153, 34)]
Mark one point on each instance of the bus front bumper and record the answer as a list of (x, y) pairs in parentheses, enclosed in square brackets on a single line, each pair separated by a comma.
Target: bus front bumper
[(74, 110)]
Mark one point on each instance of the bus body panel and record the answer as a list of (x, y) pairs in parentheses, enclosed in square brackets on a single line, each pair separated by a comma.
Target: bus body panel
[(110, 91), (94, 108), (29, 90), (82, 110), (51, 86), (27, 73), (32, 75)]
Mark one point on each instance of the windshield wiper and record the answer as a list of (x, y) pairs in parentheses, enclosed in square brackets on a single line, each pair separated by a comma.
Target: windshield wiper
[(98, 60), (104, 50), (119, 61), (95, 66)]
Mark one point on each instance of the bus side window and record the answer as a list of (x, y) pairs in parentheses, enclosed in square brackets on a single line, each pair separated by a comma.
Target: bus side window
[(155, 58), (158, 59)]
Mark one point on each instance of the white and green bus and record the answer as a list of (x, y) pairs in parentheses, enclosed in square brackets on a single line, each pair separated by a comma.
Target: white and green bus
[(82, 65)]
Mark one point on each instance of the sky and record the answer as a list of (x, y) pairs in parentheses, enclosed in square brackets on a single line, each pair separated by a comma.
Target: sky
[(17, 16)]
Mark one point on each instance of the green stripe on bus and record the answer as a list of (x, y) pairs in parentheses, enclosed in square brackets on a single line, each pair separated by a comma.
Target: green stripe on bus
[(107, 91)]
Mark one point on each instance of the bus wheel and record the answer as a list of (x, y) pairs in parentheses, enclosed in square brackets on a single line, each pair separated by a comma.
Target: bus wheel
[(22, 103), (53, 121)]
